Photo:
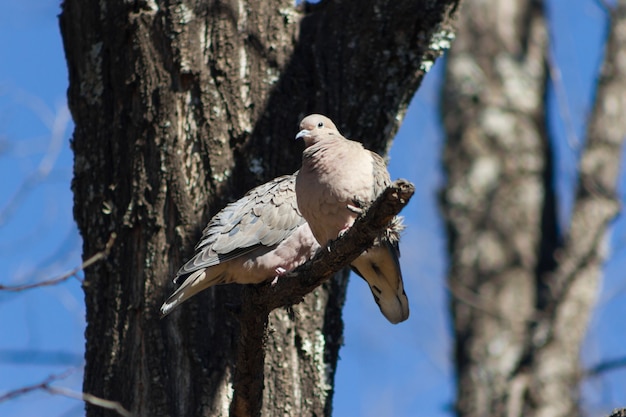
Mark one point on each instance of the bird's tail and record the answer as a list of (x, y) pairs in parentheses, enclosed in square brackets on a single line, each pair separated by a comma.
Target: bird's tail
[(193, 284), (380, 267)]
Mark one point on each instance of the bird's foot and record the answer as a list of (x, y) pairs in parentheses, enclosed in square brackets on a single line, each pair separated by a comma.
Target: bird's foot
[(357, 206), (344, 230), (354, 209), (280, 271)]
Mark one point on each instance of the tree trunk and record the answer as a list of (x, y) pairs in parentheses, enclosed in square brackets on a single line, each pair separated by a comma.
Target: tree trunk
[(521, 294), (180, 107)]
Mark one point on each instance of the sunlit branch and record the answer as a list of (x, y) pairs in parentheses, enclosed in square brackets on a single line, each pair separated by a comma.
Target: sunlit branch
[(45, 385), (71, 274)]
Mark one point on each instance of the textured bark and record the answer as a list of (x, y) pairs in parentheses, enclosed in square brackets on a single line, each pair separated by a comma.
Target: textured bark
[(498, 192), (182, 106), (521, 295), (571, 290)]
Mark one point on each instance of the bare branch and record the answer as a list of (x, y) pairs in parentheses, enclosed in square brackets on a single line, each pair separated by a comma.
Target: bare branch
[(45, 385), (596, 203), (606, 366), (39, 386), (294, 286), (54, 281), (91, 399)]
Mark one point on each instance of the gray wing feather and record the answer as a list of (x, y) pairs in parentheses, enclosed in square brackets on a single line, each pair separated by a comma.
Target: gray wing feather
[(265, 216)]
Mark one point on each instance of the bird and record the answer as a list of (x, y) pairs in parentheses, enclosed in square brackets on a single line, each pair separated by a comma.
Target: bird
[(254, 239), (338, 180)]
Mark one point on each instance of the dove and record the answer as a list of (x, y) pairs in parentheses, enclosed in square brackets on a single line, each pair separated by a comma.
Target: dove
[(338, 179), (256, 238)]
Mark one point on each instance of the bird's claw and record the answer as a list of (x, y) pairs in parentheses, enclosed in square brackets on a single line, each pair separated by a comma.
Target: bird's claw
[(280, 271), (357, 206), (355, 209), (343, 231)]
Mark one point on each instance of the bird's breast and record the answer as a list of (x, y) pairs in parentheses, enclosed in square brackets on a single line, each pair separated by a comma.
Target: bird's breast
[(328, 182)]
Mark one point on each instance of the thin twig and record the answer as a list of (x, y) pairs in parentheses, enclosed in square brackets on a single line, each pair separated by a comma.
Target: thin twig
[(73, 273), (45, 385), (35, 387), (90, 399), (606, 366)]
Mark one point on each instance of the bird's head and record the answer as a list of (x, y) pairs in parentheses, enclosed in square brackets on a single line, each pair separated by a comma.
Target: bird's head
[(314, 128)]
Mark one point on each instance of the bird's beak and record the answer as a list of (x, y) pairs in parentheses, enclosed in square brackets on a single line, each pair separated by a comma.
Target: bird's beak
[(303, 133)]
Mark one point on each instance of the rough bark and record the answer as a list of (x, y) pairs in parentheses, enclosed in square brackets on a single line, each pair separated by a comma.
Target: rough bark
[(521, 294), (182, 106), (571, 291)]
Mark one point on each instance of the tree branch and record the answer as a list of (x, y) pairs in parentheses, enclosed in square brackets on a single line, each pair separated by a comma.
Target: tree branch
[(45, 385), (292, 288), (258, 301), (91, 399), (575, 283), (29, 388), (103, 254), (596, 203), (606, 366)]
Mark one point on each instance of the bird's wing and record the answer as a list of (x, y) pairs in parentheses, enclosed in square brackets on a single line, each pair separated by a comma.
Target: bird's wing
[(265, 216)]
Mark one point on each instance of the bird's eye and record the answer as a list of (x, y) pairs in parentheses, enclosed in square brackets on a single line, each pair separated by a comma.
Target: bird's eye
[(320, 124)]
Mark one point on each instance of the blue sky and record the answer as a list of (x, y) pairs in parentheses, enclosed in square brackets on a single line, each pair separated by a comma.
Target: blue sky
[(408, 368)]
